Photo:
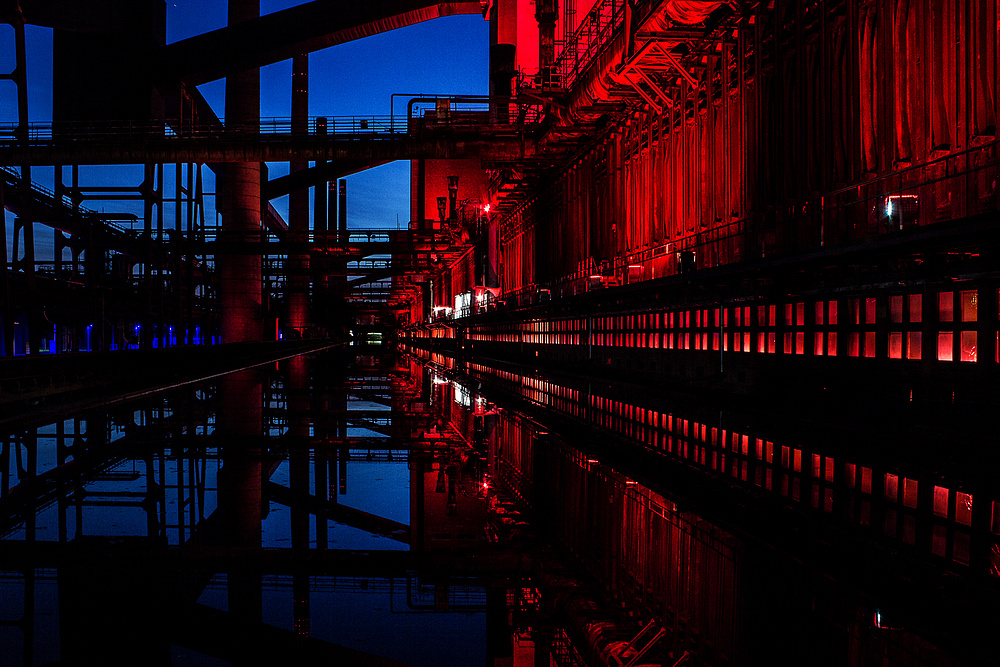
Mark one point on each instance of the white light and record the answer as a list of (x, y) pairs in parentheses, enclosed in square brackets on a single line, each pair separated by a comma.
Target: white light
[(486, 209)]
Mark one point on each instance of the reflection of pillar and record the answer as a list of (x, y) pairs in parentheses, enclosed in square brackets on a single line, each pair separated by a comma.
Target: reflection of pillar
[(298, 481), (240, 271), (298, 203), (499, 642), (240, 426)]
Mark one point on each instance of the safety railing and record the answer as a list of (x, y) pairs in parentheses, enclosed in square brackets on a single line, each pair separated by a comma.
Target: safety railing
[(950, 187), (13, 179), (596, 29)]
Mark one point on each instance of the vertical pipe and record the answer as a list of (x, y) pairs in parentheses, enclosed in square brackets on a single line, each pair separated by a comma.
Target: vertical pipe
[(546, 13), (421, 193), (6, 310), (342, 208), (319, 202), (298, 204), (331, 217), (240, 271)]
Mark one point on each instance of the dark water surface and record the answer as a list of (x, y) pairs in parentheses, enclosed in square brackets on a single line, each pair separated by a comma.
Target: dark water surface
[(393, 510)]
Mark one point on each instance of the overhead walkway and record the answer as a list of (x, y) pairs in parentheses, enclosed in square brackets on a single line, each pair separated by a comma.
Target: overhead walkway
[(354, 141)]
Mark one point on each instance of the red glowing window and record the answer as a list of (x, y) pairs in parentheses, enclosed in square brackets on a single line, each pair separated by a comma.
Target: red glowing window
[(891, 487), (800, 343), (866, 480), (697, 318), (960, 548), (869, 343), (771, 315), (771, 338), (939, 541), (785, 453), (910, 493), (940, 501), (853, 341), (916, 307), (819, 312), (870, 310), (849, 470), (831, 344), (817, 464), (787, 342), (945, 350), (970, 305), (761, 345), (717, 316), (854, 311), (963, 508), (746, 342), (788, 314), (797, 459), (896, 309), (800, 314), (913, 342), (968, 341), (687, 319), (946, 307), (828, 469), (818, 344), (896, 345)]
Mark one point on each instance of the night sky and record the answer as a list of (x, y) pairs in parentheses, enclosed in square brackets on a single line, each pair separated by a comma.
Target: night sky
[(447, 56)]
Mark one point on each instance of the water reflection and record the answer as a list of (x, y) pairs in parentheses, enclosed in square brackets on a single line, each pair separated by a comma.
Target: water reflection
[(396, 510)]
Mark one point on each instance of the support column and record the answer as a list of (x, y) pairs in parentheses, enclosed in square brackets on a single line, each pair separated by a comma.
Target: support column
[(240, 271), (6, 308), (298, 204)]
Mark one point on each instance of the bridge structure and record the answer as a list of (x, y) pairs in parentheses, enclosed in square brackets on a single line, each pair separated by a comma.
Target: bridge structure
[(643, 146)]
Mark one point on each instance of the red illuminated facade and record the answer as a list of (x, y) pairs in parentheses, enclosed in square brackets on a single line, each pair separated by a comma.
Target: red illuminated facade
[(744, 191)]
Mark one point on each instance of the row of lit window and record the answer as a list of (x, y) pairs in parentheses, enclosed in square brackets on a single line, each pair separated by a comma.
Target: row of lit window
[(860, 312), (708, 446)]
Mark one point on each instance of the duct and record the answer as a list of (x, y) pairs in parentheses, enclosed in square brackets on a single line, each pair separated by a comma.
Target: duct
[(594, 87), (690, 12)]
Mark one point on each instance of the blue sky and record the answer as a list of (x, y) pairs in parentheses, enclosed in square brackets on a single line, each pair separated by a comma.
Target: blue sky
[(444, 56)]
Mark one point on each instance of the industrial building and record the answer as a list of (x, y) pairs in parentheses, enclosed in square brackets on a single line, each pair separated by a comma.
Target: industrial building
[(687, 353)]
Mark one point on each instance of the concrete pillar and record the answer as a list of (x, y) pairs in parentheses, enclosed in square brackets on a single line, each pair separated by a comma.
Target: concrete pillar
[(298, 204), (240, 271)]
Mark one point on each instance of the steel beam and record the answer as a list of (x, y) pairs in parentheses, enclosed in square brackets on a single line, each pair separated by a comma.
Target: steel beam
[(283, 35), (267, 148)]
